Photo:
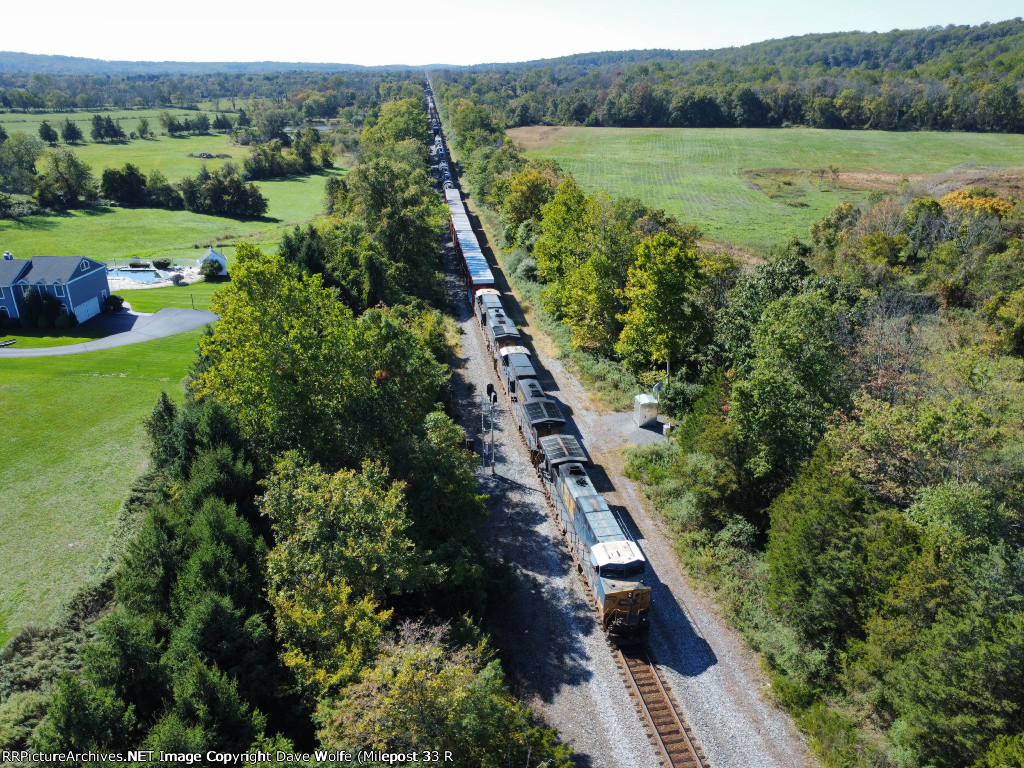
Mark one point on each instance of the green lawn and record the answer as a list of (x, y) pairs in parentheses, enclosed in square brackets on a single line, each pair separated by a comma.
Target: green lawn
[(52, 338), (756, 187), (196, 296), (122, 233), (164, 153), (72, 441)]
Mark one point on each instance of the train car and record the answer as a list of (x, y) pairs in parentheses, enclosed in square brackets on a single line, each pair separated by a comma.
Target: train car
[(536, 414), (515, 364), (500, 332), (472, 260), (614, 566), (487, 298)]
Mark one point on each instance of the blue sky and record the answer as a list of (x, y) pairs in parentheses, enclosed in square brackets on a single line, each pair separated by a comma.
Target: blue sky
[(452, 31)]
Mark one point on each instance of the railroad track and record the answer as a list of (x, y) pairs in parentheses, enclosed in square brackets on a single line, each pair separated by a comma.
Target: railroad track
[(669, 732)]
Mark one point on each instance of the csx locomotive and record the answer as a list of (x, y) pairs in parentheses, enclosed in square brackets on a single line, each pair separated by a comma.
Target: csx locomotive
[(611, 561)]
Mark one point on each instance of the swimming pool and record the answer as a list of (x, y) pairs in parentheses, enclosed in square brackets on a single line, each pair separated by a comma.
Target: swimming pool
[(139, 275)]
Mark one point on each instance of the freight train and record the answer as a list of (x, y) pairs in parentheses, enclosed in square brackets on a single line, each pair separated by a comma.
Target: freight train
[(614, 566)]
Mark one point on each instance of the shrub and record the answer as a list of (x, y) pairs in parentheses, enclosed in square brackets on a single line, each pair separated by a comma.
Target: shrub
[(62, 322), (33, 307), (19, 715), (113, 303), (44, 322), (211, 268), (161, 263)]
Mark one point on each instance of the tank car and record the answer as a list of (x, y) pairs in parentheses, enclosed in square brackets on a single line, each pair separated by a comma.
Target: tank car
[(614, 566)]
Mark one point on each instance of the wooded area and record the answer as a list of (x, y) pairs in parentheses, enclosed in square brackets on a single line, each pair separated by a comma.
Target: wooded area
[(845, 469), (955, 78), (304, 570)]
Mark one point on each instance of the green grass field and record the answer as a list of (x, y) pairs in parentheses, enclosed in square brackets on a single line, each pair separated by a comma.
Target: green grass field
[(52, 338), (196, 296), (28, 122), (122, 233), (72, 442), (117, 234), (758, 187)]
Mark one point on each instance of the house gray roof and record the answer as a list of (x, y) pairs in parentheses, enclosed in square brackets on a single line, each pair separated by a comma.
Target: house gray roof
[(61, 269), (10, 269)]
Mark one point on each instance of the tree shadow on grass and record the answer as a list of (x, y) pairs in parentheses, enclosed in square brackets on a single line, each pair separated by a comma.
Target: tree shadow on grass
[(34, 222), (96, 210)]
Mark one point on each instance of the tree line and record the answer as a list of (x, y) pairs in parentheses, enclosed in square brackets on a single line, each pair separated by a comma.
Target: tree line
[(306, 563), (843, 468), (305, 95), (25, 90), (952, 79)]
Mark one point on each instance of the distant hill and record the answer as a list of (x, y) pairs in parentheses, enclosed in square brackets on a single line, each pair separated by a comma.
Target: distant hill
[(960, 78), (29, 63), (900, 49)]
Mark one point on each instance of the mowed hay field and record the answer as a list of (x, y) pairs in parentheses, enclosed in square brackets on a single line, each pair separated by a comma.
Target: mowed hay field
[(758, 187), (73, 440)]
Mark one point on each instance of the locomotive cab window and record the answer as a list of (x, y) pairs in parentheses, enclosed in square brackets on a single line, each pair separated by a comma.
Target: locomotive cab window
[(622, 571)]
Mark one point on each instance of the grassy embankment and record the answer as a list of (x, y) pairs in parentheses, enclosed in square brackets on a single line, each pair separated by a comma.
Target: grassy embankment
[(758, 187), (73, 441)]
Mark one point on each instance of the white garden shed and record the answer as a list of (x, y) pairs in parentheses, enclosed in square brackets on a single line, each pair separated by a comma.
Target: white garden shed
[(212, 254)]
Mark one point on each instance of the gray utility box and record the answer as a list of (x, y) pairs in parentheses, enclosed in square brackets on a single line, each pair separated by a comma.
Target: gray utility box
[(645, 410)]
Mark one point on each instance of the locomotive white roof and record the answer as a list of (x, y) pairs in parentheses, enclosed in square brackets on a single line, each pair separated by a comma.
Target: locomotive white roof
[(514, 350), (616, 553)]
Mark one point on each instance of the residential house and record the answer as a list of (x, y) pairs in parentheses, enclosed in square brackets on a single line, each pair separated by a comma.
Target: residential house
[(10, 270), (77, 282)]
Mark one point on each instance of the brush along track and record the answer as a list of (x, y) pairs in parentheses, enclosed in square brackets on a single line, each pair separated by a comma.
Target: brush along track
[(669, 732)]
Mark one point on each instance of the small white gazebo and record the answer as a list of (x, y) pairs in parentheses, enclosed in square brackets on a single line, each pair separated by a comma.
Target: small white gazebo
[(212, 254)]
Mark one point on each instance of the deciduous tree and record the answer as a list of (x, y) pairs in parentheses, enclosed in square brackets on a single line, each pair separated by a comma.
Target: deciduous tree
[(18, 156), (66, 181), (422, 693), (662, 293)]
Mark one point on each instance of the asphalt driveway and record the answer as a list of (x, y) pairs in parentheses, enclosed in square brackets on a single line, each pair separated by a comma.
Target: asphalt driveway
[(125, 328)]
